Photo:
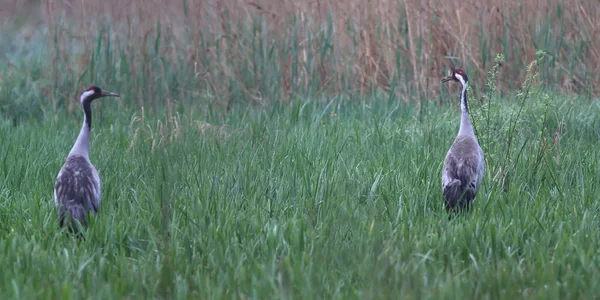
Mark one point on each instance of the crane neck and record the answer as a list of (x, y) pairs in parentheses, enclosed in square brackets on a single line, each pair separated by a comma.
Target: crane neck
[(82, 144), (466, 127)]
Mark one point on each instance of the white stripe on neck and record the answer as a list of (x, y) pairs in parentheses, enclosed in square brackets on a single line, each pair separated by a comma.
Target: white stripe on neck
[(85, 95), (461, 79), (463, 100), (82, 144)]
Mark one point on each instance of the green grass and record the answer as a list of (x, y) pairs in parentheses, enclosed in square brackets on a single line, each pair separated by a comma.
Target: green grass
[(306, 204), (334, 196)]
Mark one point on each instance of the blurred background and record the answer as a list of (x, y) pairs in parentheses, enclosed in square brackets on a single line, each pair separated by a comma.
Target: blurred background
[(224, 53)]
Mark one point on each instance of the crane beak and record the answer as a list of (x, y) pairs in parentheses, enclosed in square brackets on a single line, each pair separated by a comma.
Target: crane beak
[(109, 94), (446, 79)]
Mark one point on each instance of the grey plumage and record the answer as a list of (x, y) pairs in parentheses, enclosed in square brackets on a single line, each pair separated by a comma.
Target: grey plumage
[(464, 165), (77, 190)]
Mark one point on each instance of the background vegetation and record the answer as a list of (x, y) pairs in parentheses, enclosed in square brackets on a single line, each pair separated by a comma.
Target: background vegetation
[(292, 149), (230, 52)]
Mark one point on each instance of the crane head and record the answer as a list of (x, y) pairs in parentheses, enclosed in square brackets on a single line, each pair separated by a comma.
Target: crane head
[(458, 75), (94, 92)]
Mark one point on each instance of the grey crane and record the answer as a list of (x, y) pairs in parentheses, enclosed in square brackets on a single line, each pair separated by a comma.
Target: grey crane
[(464, 164), (77, 188)]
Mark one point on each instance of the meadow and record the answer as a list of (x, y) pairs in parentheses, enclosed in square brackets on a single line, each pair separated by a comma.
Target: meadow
[(302, 164)]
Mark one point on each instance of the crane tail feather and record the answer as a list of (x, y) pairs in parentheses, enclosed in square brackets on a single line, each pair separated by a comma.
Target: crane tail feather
[(457, 197), (72, 216)]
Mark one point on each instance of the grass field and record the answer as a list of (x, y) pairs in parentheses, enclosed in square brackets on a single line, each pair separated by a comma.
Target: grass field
[(324, 202), (299, 159)]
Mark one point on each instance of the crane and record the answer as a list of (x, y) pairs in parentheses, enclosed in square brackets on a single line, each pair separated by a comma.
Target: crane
[(77, 188), (464, 165)]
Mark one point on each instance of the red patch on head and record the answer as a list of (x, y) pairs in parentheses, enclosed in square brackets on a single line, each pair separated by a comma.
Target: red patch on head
[(459, 71), (89, 88)]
